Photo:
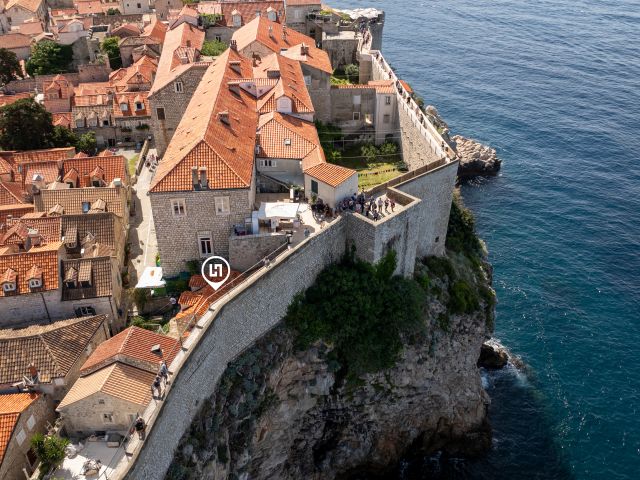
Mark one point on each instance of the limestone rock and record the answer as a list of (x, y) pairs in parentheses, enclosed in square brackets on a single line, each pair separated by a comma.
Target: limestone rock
[(476, 159), (493, 355)]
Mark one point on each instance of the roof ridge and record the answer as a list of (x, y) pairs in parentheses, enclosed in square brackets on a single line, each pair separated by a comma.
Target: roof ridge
[(224, 161)]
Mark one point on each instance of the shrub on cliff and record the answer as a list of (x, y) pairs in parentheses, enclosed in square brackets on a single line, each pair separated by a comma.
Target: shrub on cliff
[(461, 235), (362, 310)]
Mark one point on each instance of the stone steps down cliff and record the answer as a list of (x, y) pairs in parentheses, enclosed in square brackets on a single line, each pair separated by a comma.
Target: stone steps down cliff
[(285, 413)]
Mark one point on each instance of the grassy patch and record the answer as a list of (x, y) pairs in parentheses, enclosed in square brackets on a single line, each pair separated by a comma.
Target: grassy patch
[(132, 163), (373, 166)]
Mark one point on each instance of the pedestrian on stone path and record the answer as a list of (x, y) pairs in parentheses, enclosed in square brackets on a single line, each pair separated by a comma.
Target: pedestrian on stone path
[(156, 386), (393, 204), (164, 372), (380, 204), (376, 216), (386, 205), (140, 426)]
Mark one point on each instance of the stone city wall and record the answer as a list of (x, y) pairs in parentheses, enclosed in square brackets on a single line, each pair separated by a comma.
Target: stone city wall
[(247, 250), (253, 309)]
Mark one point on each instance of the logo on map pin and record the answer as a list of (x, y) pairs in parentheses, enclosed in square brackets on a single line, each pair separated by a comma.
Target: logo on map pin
[(213, 271)]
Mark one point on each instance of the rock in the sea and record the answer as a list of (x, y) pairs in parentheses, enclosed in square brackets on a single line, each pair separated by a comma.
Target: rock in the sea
[(476, 159), (493, 355)]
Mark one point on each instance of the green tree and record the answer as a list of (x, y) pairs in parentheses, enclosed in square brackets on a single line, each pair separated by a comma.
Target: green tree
[(113, 11), (111, 49), (49, 57), (63, 137), (213, 48), (49, 449), (87, 143), (388, 148), (22, 116), (352, 72), (9, 66), (370, 152)]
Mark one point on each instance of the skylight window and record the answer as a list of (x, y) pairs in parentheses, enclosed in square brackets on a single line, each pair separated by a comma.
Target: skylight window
[(287, 141)]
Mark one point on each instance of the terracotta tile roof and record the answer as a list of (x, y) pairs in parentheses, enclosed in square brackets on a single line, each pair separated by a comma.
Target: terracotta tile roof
[(50, 228), (44, 257), (383, 86), (295, 3), (156, 30), (15, 40), (97, 271), (284, 136), (131, 98), (354, 86), (30, 5), (49, 171), (117, 380), (53, 348), (126, 29), (11, 406), (87, 7), (9, 99), (43, 155), (170, 66), (132, 345), (290, 84), (406, 86), (106, 228), (258, 30), (11, 193), (248, 10), (15, 210), (63, 119), (208, 295), (140, 73), (330, 174), (204, 139), (71, 199), (31, 27), (112, 166), (196, 282)]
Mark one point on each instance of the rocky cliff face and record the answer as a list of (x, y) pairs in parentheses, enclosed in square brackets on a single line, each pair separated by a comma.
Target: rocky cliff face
[(476, 159), (287, 414)]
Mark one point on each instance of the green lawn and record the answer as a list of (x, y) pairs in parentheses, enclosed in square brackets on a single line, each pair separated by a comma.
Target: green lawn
[(371, 173)]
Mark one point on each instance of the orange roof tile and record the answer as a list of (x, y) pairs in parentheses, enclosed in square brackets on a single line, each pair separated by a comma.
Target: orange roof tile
[(204, 139), (50, 228), (270, 35), (383, 86), (113, 166), (44, 257), (284, 136), (15, 40), (63, 119), (11, 406), (170, 66), (53, 348), (155, 30), (290, 84), (49, 171), (11, 193), (134, 343), (9, 99), (330, 174), (406, 86), (117, 380), (87, 7), (29, 5), (131, 99), (248, 10), (44, 154)]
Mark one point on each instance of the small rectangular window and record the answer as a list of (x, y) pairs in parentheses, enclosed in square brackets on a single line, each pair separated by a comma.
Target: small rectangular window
[(307, 80), (160, 113), (218, 38), (357, 99), (178, 207), (386, 118), (314, 187), (107, 417), (86, 206), (356, 115), (179, 87), (205, 244), (387, 100), (222, 205)]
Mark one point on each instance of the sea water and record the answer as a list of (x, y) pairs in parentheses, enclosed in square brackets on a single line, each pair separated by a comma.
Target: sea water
[(554, 86)]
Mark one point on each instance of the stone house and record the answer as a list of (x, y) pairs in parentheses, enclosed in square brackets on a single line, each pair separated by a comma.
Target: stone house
[(179, 73), (297, 12), (19, 11), (17, 43), (58, 94), (21, 416), (222, 19), (163, 7), (368, 112), (261, 37), (47, 358), (132, 7), (69, 31), (115, 382)]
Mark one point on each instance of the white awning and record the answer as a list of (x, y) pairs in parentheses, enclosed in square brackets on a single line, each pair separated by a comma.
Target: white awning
[(278, 210), (151, 278)]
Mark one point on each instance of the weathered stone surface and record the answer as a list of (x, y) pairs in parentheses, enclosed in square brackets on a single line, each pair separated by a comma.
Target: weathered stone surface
[(493, 355), (476, 159)]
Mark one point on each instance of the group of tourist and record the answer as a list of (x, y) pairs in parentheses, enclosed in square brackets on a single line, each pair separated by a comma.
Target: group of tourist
[(369, 207)]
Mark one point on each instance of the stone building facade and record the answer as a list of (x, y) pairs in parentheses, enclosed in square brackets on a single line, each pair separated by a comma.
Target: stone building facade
[(197, 222)]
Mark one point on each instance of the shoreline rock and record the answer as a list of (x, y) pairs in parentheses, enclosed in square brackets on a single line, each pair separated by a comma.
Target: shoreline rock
[(476, 159)]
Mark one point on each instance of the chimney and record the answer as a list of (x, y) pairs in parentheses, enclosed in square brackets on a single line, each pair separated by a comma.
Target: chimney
[(194, 176), (271, 31), (284, 33), (33, 372), (203, 177), (236, 66), (257, 149), (234, 45), (224, 117), (304, 49)]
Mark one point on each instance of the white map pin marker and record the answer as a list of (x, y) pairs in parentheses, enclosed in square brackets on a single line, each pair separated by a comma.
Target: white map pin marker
[(212, 267)]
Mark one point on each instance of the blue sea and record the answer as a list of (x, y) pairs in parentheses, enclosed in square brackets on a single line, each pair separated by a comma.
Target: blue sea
[(554, 86)]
